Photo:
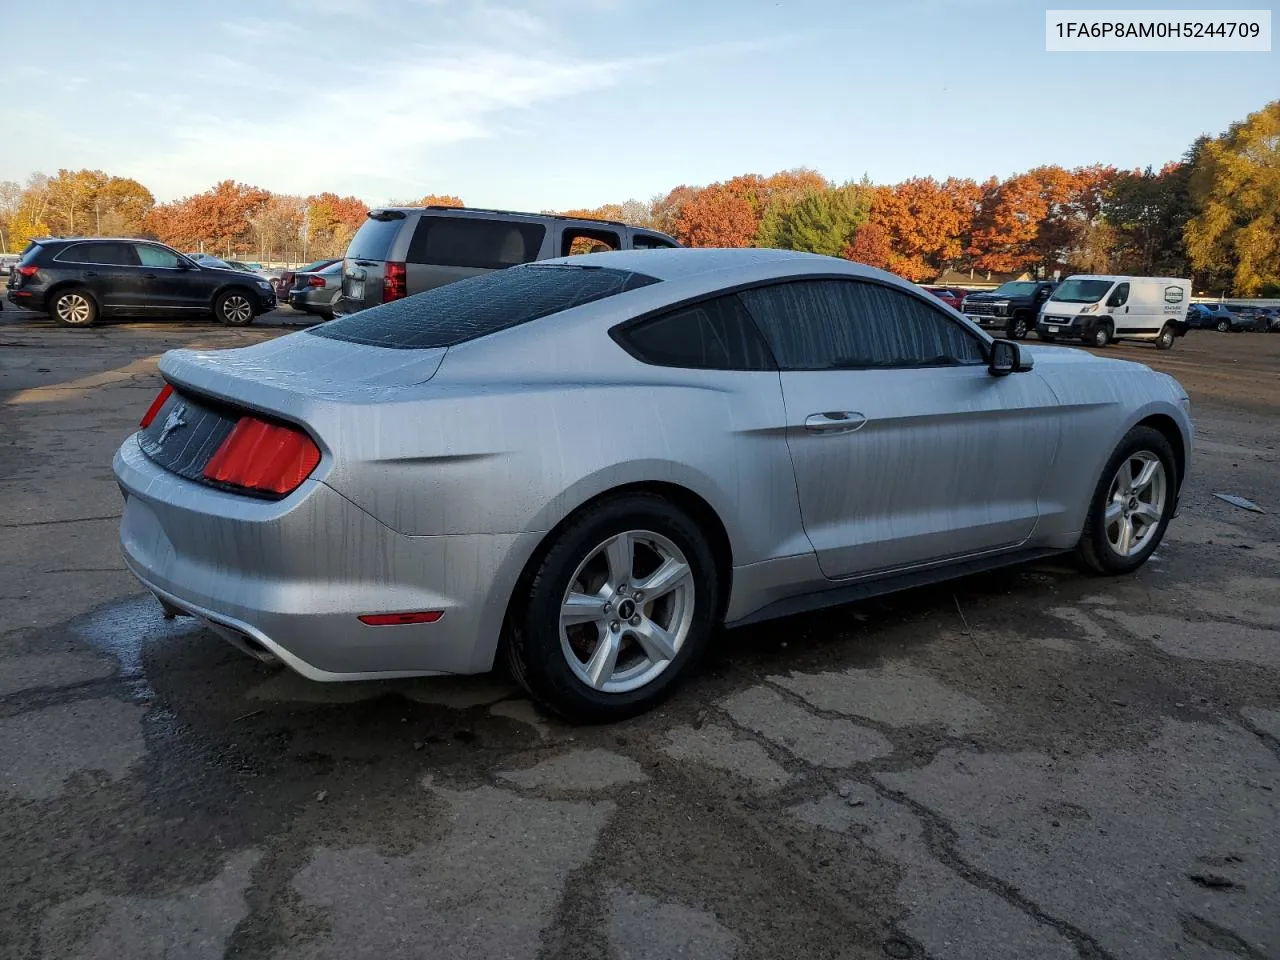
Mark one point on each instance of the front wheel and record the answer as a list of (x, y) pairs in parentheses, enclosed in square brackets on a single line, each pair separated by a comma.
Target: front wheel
[(617, 611), (1017, 329), (74, 308), (1259, 326), (1224, 326), (1101, 335), (234, 308), (1165, 340), (1132, 504)]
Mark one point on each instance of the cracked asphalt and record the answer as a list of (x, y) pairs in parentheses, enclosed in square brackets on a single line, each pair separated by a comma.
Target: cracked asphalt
[(1026, 764)]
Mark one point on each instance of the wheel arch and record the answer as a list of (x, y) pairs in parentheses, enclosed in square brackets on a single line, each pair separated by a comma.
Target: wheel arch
[(686, 499), (63, 285), (227, 287), (1168, 428)]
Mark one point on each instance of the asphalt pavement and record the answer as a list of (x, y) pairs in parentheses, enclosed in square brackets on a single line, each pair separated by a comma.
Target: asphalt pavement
[(1026, 764)]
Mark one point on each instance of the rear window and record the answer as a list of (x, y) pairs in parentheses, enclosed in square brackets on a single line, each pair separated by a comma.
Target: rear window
[(374, 238), (475, 242), (479, 306), (29, 255), (110, 254)]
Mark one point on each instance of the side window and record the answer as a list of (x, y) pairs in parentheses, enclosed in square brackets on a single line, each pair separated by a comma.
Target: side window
[(850, 325), (712, 335), (645, 241), (474, 242), (1119, 296), (577, 240), (109, 254), (150, 256)]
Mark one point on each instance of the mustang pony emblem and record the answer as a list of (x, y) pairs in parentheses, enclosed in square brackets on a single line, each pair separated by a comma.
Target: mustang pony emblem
[(173, 421)]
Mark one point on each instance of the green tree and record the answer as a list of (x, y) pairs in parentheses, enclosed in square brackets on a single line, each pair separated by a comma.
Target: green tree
[(1236, 185), (821, 221)]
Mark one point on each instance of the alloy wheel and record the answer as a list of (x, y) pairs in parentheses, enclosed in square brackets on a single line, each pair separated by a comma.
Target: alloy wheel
[(1135, 503), (73, 308), (627, 611), (236, 309)]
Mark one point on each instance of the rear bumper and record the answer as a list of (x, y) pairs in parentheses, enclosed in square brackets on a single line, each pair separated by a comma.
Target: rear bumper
[(294, 575), (31, 299)]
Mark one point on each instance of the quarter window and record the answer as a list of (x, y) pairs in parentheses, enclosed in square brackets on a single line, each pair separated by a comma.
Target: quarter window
[(109, 254), (851, 325), (712, 335), (475, 242), (150, 256)]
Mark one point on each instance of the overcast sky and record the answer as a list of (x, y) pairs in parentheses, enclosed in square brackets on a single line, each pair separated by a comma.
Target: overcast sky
[(566, 103)]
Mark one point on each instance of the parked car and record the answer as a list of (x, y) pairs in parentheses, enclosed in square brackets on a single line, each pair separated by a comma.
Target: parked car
[(951, 297), (7, 263), (401, 251), (585, 465), (315, 292), (1011, 307), (78, 281), (1100, 309), (284, 283), (1273, 318), (1252, 317), (209, 260), (1216, 316)]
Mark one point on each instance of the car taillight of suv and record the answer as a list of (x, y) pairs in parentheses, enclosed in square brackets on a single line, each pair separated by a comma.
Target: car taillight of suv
[(395, 282)]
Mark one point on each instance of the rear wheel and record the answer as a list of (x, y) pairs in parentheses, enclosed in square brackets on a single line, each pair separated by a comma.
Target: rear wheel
[(616, 612), (1101, 335), (74, 308), (234, 308), (1131, 505), (1259, 326), (1165, 340)]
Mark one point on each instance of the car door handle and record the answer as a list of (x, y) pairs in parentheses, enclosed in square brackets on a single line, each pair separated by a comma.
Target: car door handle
[(835, 421)]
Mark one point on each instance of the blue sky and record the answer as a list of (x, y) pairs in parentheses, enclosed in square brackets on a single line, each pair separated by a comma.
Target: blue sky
[(534, 104)]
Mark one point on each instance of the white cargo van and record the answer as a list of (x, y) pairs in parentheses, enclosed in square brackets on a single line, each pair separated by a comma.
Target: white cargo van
[(1098, 310)]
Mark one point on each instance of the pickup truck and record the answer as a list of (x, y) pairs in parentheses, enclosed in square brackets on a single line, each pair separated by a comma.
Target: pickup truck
[(1011, 307)]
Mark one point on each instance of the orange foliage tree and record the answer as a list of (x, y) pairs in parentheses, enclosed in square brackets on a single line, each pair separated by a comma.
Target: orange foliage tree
[(220, 218), (440, 200), (717, 216)]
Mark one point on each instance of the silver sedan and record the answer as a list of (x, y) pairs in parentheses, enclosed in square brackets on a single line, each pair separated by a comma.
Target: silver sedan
[(583, 466)]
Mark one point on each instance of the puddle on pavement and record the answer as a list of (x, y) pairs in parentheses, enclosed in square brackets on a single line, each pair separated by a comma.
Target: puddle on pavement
[(120, 629)]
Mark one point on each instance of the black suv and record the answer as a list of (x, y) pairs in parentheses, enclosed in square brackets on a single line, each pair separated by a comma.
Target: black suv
[(76, 281), (1012, 307), (400, 251)]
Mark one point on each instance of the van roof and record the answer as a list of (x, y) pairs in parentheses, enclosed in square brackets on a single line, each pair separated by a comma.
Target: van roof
[(505, 213), (1112, 277)]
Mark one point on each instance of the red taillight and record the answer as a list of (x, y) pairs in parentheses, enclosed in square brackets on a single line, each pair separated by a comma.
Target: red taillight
[(156, 404), (395, 284), (315, 281), (28, 271), (394, 619), (258, 455)]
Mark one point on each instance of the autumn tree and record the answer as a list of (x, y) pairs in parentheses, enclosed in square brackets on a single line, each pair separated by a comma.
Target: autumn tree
[(1147, 212), (220, 218), (80, 202), (331, 221), (1236, 184), (440, 200), (716, 216), (872, 245), (277, 227), (822, 221), (665, 209)]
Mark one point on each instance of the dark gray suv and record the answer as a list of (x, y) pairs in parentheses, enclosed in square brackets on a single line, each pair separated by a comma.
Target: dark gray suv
[(400, 251)]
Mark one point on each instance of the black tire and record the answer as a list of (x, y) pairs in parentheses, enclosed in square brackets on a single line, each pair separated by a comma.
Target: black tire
[(73, 307), (533, 643), (1259, 326), (1167, 335), (234, 307), (1018, 328), (1094, 549), (1101, 335), (1224, 326)]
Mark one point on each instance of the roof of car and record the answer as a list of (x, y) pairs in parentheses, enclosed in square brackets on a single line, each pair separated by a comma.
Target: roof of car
[(676, 263), (510, 213)]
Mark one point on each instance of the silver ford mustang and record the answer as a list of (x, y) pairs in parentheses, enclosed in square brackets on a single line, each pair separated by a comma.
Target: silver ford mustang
[(585, 465)]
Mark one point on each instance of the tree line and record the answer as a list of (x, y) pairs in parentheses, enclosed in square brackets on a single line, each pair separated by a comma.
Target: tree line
[(1214, 215)]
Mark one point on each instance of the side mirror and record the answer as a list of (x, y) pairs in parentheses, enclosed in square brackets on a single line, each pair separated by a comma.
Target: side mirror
[(1006, 358), (185, 264)]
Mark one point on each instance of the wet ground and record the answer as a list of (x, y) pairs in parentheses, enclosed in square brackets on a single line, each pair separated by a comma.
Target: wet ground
[(1029, 764)]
